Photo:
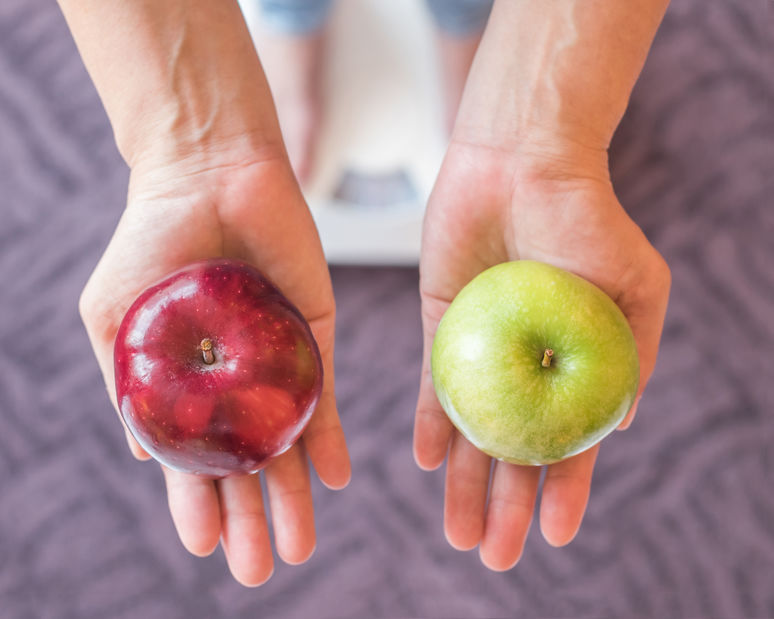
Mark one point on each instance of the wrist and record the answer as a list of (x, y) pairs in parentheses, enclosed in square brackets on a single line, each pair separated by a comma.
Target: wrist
[(197, 107), (533, 156), (535, 121), (176, 77), (555, 78), (194, 144), (538, 129)]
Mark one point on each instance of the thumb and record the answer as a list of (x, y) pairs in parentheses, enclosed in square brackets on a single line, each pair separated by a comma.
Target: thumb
[(644, 306), (432, 428)]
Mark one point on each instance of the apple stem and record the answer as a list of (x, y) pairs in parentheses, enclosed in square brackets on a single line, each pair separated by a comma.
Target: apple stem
[(547, 354), (207, 354)]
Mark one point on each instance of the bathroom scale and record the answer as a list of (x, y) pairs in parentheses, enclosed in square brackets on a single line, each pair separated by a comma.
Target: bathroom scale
[(382, 137)]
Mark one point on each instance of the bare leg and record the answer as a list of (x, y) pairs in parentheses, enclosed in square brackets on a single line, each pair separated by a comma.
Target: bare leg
[(293, 66), (456, 54)]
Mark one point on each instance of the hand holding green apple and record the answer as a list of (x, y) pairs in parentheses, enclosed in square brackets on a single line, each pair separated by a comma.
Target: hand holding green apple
[(491, 207), (534, 364)]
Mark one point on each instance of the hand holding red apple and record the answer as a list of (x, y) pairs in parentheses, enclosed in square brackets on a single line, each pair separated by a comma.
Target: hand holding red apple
[(229, 204)]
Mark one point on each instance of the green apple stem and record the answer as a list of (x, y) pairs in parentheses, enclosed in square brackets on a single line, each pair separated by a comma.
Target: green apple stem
[(207, 354), (547, 354)]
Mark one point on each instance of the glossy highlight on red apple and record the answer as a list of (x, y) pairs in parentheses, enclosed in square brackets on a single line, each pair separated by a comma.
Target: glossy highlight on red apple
[(216, 371)]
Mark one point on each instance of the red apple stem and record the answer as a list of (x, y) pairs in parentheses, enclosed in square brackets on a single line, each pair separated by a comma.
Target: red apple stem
[(547, 354), (207, 354)]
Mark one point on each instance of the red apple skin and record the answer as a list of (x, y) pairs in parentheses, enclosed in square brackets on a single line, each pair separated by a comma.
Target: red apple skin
[(231, 416)]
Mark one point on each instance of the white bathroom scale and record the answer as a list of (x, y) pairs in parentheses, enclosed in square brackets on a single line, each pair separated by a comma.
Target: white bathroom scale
[(382, 137)]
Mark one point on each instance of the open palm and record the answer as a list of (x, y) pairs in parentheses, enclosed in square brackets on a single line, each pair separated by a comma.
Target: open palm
[(490, 207), (252, 210)]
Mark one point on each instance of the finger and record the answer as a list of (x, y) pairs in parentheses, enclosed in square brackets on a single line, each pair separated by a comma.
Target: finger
[(102, 343), (565, 496), (324, 438), (292, 512), (467, 481), (245, 532), (646, 313), (508, 514), (432, 428), (193, 503)]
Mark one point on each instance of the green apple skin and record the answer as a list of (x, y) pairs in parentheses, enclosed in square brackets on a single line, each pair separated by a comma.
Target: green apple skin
[(488, 372)]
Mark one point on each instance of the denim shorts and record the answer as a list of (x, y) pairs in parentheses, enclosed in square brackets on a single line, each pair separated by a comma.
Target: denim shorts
[(454, 17)]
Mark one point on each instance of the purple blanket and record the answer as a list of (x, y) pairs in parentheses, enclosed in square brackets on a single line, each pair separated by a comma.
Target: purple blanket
[(681, 519)]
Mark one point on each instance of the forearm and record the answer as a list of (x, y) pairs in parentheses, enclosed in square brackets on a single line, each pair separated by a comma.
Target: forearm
[(556, 70), (174, 75)]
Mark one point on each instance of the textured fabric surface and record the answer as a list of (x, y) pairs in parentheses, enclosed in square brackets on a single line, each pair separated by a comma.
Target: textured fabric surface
[(681, 519)]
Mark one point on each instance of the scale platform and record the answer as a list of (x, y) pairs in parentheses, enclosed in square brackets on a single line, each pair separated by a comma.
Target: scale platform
[(382, 137)]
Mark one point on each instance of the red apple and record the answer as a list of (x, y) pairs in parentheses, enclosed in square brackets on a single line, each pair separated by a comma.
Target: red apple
[(216, 371)]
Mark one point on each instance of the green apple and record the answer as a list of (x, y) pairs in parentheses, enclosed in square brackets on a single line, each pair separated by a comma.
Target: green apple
[(534, 364)]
